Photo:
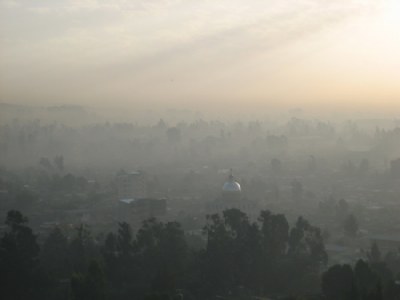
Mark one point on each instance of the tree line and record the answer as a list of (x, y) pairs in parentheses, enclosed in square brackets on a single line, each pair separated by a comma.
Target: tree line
[(240, 259)]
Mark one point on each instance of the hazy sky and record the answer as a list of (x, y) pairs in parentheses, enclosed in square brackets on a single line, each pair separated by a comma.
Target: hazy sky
[(201, 53)]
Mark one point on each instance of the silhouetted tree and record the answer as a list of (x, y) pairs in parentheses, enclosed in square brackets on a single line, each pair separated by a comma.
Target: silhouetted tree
[(306, 240), (161, 253), (297, 190), (59, 162), (275, 233), (81, 249), (45, 162), (351, 226), (342, 209), (338, 283), (54, 255), (19, 272), (341, 282), (89, 286), (367, 281), (374, 255)]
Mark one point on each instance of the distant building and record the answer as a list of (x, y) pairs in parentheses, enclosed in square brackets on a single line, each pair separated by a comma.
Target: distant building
[(134, 206), (387, 241), (137, 210), (339, 254), (131, 185), (231, 190), (231, 197)]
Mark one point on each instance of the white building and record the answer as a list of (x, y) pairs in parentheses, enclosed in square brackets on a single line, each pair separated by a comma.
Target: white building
[(231, 197)]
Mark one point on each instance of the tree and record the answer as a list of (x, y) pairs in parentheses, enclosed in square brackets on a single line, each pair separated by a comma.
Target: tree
[(59, 162), (306, 240), (125, 239), (341, 282), (216, 265), (45, 162), (338, 283), (110, 254), (306, 253), (367, 281), (374, 255), (19, 259), (351, 226), (54, 255), (121, 262), (342, 209), (15, 219), (275, 233), (81, 249), (297, 190), (244, 248), (91, 285), (160, 253), (260, 257)]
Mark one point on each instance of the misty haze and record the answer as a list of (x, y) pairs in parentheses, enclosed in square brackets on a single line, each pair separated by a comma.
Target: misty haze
[(200, 150)]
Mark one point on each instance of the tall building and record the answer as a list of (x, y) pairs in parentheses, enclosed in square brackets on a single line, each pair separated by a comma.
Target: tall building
[(134, 206)]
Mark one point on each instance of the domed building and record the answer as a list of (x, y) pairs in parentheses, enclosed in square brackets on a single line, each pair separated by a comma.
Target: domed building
[(231, 189), (231, 197), (231, 186)]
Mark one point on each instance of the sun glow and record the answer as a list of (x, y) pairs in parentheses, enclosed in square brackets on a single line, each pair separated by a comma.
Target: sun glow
[(299, 51), (391, 12)]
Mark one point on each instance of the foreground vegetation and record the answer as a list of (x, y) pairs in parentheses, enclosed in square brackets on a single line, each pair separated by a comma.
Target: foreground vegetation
[(235, 259)]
